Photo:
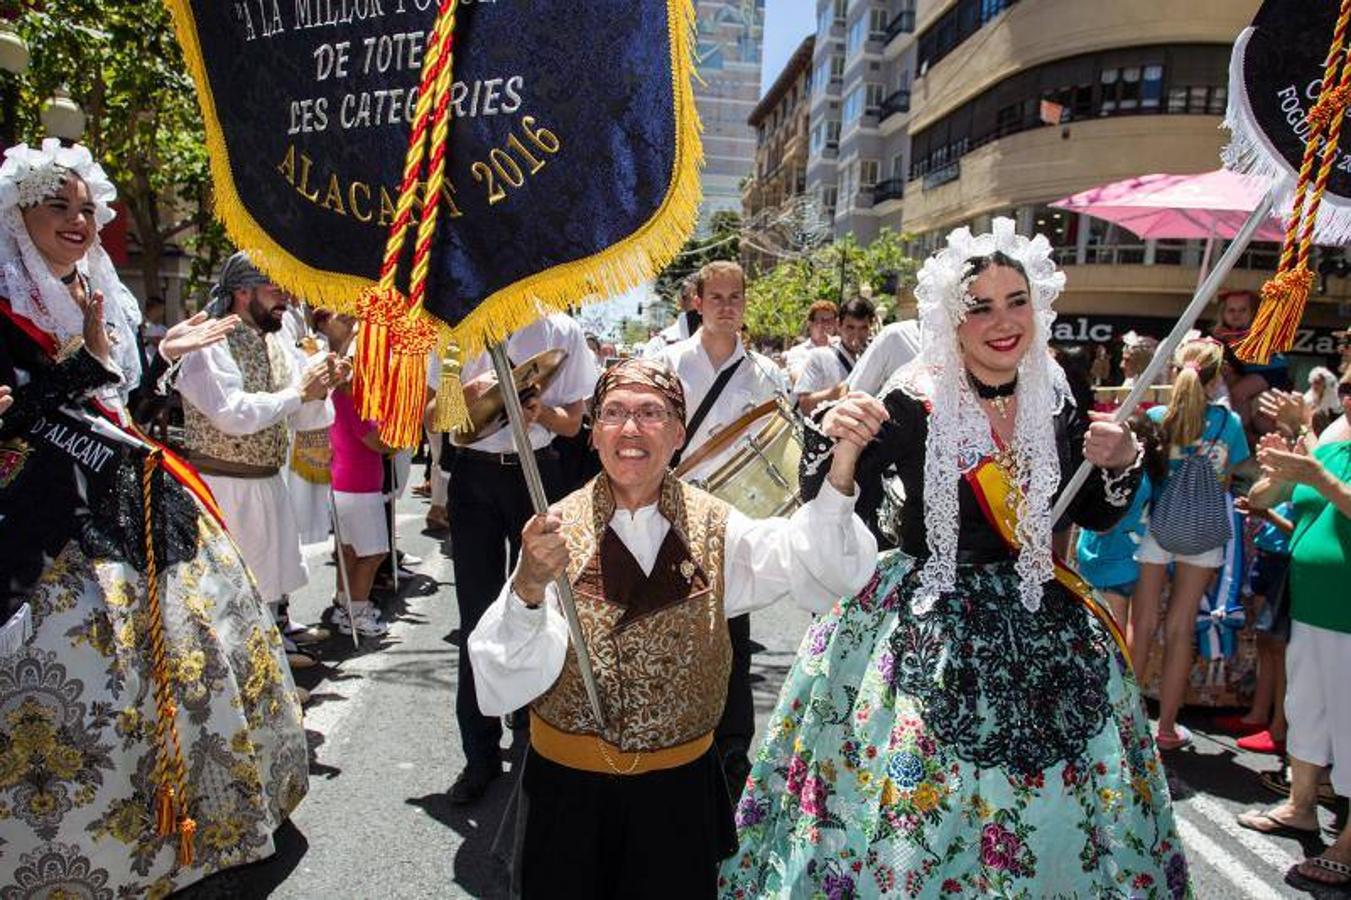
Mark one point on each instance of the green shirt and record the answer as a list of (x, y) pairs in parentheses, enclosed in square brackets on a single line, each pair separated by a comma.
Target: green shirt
[(1320, 551)]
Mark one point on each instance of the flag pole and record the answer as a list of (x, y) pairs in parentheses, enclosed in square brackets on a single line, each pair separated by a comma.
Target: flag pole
[(530, 469), (1144, 382)]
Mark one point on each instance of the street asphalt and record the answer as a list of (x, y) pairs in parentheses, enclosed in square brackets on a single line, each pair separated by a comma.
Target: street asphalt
[(384, 751)]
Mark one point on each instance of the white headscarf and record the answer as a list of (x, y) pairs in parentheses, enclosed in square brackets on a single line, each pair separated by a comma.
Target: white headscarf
[(27, 177), (959, 432)]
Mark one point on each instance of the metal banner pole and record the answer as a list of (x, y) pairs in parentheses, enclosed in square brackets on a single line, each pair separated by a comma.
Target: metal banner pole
[(342, 565), (393, 524), (526, 454), (1144, 382)]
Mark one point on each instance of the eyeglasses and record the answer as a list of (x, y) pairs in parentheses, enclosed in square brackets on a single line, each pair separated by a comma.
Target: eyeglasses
[(614, 416)]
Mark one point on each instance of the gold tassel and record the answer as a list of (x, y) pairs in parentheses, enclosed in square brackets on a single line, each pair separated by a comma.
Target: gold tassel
[(187, 830), (379, 309), (164, 810), (451, 413), (405, 388), (1283, 300)]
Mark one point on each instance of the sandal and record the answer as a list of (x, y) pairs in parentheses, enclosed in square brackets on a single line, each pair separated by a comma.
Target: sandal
[(1266, 823), (1278, 782), (1322, 863), (1180, 738)]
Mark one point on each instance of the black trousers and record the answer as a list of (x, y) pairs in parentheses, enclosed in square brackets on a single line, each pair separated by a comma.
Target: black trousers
[(624, 837), (736, 731), (489, 505)]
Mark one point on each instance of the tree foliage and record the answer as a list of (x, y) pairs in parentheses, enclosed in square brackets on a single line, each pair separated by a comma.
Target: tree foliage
[(121, 63), (722, 242), (777, 301)]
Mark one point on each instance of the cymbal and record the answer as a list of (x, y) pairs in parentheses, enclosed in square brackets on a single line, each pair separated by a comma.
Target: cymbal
[(488, 414)]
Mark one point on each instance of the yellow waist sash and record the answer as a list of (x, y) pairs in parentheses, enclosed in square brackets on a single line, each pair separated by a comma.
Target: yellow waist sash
[(990, 484), (592, 754)]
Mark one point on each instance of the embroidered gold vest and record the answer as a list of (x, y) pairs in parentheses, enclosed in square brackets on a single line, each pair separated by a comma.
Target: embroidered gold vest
[(265, 369), (658, 643)]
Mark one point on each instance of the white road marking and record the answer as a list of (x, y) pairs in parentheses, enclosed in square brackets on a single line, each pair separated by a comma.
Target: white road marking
[(1264, 848), (1200, 847)]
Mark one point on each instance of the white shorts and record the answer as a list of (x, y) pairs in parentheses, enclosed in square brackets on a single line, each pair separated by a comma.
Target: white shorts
[(1151, 552), (361, 518), (1317, 702)]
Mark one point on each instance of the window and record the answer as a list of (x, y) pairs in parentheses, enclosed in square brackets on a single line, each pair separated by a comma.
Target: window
[(898, 166), (867, 173), (877, 24), (841, 11), (833, 133), (824, 20), (853, 105), (836, 67), (873, 100), (858, 32), (830, 197), (1129, 81)]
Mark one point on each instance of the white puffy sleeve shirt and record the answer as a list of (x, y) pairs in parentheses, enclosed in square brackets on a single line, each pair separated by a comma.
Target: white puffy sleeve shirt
[(210, 380), (823, 552)]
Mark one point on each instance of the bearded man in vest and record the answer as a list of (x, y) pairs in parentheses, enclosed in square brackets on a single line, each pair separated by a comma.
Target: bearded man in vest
[(238, 400), (637, 806)]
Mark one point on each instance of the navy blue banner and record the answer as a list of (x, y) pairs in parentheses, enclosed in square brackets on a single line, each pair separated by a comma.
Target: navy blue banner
[(573, 149)]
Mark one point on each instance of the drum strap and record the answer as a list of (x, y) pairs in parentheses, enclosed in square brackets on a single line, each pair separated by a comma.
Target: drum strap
[(844, 361), (705, 406)]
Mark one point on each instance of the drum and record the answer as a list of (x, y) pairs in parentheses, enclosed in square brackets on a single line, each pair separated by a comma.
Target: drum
[(761, 478)]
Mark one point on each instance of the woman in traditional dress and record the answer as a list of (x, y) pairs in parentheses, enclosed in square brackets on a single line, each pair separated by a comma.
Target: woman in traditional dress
[(967, 724), (149, 729)]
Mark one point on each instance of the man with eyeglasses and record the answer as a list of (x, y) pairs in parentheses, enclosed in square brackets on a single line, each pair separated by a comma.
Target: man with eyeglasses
[(723, 379), (637, 806), (822, 324)]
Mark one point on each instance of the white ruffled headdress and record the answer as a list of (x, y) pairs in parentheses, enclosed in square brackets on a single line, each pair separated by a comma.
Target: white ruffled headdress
[(28, 176), (959, 432)]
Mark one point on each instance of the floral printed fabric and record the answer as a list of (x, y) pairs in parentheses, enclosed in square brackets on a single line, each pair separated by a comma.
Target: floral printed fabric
[(856, 794), (77, 728)]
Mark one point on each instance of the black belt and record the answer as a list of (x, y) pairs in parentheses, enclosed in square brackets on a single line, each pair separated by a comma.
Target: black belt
[(508, 459)]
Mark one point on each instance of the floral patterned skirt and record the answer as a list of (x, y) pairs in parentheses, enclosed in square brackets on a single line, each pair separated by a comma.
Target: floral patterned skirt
[(77, 728), (977, 749)]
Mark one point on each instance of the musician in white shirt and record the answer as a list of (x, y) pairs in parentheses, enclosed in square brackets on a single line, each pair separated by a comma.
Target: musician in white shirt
[(715, 359), (826, 369)]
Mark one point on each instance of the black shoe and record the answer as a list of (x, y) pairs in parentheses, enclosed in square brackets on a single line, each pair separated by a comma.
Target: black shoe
[(473, 783)]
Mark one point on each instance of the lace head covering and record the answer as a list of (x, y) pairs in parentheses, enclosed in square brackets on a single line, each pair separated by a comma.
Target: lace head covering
[(28, 176), (959, 435)]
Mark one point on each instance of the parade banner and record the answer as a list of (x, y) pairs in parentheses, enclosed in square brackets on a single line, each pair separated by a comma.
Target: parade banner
[(1276, 77), (1289, 88), (571, 149)]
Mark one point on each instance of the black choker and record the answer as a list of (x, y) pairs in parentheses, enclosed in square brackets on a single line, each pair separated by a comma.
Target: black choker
[(993, 392), (997, 395), (70, 279)]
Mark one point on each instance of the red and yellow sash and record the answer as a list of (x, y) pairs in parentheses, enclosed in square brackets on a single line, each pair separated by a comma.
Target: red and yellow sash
[(990, 483), (179, 470)]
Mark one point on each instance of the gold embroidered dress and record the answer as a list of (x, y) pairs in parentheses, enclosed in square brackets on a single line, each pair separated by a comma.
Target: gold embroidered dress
[(104, 705)]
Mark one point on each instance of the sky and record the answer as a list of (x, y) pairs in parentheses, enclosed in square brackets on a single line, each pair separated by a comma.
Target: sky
[(787, 22)]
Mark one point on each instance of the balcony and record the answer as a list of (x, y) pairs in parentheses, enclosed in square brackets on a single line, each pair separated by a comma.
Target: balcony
[(898, 102), (904, 23), (891, 189), (943, 175)]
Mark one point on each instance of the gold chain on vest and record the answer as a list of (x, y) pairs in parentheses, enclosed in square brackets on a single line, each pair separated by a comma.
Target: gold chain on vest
[(605, 755)]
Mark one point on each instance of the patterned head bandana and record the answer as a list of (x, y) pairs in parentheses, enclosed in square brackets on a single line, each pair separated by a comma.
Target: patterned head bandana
[(644, 373), (238, 272)]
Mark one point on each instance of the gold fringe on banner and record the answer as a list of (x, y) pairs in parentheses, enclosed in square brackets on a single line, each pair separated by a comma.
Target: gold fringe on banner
[(1286, 295)]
